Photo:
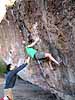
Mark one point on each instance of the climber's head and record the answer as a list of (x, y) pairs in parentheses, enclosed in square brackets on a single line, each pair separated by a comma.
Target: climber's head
[(30, 40)]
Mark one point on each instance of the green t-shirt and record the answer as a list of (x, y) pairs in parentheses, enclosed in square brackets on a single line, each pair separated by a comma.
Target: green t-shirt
[(31, 51)]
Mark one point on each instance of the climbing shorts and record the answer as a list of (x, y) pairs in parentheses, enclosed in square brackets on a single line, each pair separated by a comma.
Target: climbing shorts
[(39, 55)]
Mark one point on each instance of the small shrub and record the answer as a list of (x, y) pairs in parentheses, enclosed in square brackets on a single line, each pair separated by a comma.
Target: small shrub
[(2, 67)]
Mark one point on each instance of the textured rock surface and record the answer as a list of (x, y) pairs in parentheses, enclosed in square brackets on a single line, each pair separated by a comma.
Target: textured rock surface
[(24, 90), (56, 27)]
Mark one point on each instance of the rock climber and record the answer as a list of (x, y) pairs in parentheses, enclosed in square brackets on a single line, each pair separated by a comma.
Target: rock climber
[(39, 55)]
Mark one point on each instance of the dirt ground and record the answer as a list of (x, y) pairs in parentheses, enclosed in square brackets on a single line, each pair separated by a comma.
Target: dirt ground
[(26, 91)]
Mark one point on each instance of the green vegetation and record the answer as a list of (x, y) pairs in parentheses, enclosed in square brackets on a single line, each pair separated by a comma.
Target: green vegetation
[(2, 66)]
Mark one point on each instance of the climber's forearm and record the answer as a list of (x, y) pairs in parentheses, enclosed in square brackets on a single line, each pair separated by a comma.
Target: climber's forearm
[(32, 44)]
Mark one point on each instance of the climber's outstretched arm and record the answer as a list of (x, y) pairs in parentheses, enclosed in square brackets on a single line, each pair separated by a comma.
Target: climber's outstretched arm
[(32, 44), (27, 60)]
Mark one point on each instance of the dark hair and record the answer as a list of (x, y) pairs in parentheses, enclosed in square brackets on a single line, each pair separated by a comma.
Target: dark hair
[(11, 52), (30, 40), (8, 67)]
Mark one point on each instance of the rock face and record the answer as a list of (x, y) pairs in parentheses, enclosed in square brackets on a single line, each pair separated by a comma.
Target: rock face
[(55, 27)]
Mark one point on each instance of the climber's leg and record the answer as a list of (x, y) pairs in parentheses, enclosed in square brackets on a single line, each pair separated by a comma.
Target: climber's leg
[(51, 58), (8, 93), (42, 55)]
